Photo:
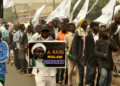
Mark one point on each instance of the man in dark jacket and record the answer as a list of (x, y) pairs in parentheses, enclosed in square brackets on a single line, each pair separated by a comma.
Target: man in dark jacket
[(116, 38), (77, 48), (55, 29), (103, 50), (24, 40), (89, 56), (12, 45)]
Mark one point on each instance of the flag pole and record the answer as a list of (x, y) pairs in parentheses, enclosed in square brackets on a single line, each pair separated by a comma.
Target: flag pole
[(16, 14), (110, 27)]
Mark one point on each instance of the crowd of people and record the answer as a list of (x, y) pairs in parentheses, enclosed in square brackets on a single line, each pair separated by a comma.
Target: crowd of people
[(89, 49)]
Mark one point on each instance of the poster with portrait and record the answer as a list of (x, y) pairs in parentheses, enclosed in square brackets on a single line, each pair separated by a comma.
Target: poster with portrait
[(47, 54)]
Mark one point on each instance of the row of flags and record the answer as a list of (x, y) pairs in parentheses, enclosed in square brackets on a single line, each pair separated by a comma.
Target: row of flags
[(63, 11)]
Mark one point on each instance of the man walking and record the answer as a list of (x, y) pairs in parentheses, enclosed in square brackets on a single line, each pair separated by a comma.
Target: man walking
[(24, 40), (89, 56), (55, 29), (5, 35), (103, 50), (4, 55), (71, 63), (21, 55), (77, 49), (116, 38)]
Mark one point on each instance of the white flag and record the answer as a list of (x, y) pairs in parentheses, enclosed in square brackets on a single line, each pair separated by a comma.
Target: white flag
[(75, 6), (109, 7), (8, 3), (35, 20), (105, 19), (82, 13), (66, 11), (56, 12), (93, 6)]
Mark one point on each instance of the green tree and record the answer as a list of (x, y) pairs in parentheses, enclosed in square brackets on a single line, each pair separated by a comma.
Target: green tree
[(9, 15), (96, 11)]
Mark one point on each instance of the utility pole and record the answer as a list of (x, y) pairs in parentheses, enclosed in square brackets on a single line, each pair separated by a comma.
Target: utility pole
[(53, 4)]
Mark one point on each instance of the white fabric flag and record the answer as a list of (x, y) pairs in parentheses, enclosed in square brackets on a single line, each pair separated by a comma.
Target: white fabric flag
[(93, 6), (109, 7), (105, 19), (56, 12), (66, 11), (35, 20), (75, 6), (8, 3), (82, 13)]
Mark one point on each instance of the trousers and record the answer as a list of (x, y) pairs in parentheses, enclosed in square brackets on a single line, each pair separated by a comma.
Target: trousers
[(45, 80)]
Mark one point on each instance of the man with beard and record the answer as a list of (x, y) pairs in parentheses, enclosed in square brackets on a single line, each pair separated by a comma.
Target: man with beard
[(43, 76), (116, 38), (103, 50), (38, 51), (89, 56), (55, 29), (77, 49)]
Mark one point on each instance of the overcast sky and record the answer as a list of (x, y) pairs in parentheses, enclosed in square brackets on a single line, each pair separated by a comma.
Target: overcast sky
[(31, 1)]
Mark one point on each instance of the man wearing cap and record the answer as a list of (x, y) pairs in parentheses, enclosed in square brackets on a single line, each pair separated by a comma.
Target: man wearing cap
[(116, 38), (44, 76), (4, 55), (89, 56), (55, 29), (38, 51), (77, 49)]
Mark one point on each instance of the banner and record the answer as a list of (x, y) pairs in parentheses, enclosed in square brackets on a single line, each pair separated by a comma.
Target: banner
[(1, 8), (35, 20), (47, 54), (74, 8), (109, 7), (8, 3), (66, 11), (56, 12), (82, 13), (105, 19)]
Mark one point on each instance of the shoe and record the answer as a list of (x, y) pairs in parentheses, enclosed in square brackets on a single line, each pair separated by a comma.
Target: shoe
[(29, 75), (7, 62), (57, 81), (116, 75), (12, 63), (18, 71), (60, 82)]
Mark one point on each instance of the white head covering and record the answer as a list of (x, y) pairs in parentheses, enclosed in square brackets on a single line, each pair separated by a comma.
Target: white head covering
[(38, 45)]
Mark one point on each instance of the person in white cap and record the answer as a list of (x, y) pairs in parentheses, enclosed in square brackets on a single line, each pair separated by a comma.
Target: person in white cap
[(43, 76), (38, 51)]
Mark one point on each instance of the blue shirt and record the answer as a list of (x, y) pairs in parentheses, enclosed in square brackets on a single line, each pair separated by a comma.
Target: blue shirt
[(4, 55), (5, 33), (17, 36)]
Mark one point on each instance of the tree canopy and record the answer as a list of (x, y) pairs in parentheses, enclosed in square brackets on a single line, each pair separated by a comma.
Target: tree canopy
[(9, 15)]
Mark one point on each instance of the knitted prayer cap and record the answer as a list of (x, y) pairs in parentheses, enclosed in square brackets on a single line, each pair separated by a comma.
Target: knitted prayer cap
[(81, 22)]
